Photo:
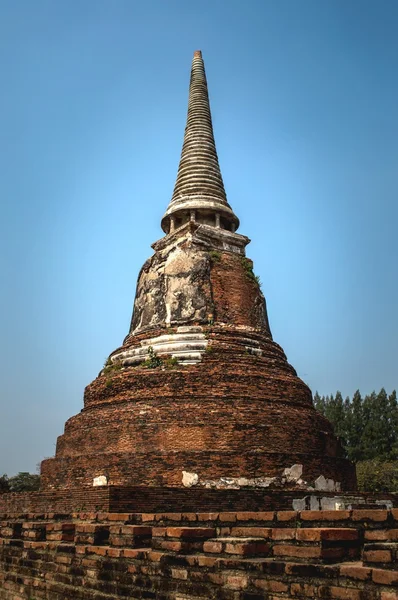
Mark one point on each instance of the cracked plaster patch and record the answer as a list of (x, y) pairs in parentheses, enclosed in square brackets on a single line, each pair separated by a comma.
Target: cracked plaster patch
[(327, 485), (189, 479), (294, 473), (100, 481), (291, 475)]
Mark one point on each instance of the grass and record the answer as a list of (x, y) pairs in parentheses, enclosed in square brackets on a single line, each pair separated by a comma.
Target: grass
[(247, 265), (215, 256)]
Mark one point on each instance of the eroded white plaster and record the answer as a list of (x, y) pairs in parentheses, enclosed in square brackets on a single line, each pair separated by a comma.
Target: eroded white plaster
[(327, 485), (293, 474), (345, 502), (290, 475), (187, 345), (189, 479), (100, 481)]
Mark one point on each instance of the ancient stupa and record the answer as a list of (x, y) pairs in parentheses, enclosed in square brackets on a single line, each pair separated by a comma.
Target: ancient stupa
[(199, 394)]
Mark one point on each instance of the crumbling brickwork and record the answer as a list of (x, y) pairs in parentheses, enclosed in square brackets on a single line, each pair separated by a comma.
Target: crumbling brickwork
[(239, 412), (202, 556), (159, 499)]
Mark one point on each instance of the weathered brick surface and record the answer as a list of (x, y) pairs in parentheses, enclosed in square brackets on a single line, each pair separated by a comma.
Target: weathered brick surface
[(226, 401), (241, 412), (152, 499), (108, 556)]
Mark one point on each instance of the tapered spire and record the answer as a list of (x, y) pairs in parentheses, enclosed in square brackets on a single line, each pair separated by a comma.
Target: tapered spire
[(199, 192)]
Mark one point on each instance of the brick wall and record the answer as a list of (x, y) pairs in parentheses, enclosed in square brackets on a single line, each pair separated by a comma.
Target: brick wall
[(144, 499), (60, 501), (233, 415), (197, 556)]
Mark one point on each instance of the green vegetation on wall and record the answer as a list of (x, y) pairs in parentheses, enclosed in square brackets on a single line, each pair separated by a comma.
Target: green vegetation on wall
[(247, 265)]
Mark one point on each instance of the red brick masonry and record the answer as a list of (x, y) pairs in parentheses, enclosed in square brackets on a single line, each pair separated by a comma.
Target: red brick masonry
[(235, 414), (198, 556), (153, 499)]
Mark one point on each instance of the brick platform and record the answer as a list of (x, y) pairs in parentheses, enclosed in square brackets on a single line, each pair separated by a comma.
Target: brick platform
[(152, 499), (197, 556)]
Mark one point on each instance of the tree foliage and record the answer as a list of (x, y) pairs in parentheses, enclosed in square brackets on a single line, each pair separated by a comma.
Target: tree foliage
[(23, 482), (368, 430), (367, 427), (377, 476), (4, 484)]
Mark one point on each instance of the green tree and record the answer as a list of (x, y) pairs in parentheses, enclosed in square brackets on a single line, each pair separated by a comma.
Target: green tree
[(335, 412), (348, 424), (4, 484), (393, 425), (24, 482), (319, 403), (367, 427), (376, 433), (377, 476), (355, 430)]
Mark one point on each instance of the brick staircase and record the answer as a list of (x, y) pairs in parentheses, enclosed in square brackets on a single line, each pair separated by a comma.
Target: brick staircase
[(198, 556)]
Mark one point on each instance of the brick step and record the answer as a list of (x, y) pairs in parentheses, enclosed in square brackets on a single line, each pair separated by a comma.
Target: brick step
[(337, 544), (260, 547), (132, 536), (181, 539), (207, 518), (315, 553), (314, 534), (118, 536), (115, 535), (135, 553), (187, 533), (238, 546), (271, 518), (381, 554), (178, 546)]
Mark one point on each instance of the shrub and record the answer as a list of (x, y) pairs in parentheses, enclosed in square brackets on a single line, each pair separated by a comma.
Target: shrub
[(24, 482), (4, 484), (171, 362), (111, 367), (153, 361), (247, 265), (377, 476), (215, 256)]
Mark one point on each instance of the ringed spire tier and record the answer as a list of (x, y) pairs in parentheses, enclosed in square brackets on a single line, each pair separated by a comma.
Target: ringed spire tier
[(199, 193)]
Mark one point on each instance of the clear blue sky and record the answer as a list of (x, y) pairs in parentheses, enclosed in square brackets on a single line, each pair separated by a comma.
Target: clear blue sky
[(304, 97)]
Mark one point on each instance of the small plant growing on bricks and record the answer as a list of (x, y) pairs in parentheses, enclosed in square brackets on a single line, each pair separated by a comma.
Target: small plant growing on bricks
[(112, 367), (170, 362), (248, 268), (153, 361), (215, 256)]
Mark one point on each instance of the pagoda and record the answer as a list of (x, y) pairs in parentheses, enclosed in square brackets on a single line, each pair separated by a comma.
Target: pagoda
[(199, 395)]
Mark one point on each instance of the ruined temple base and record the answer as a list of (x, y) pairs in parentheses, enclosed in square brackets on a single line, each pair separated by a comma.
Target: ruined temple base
[(153, 499), (231, 555)]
